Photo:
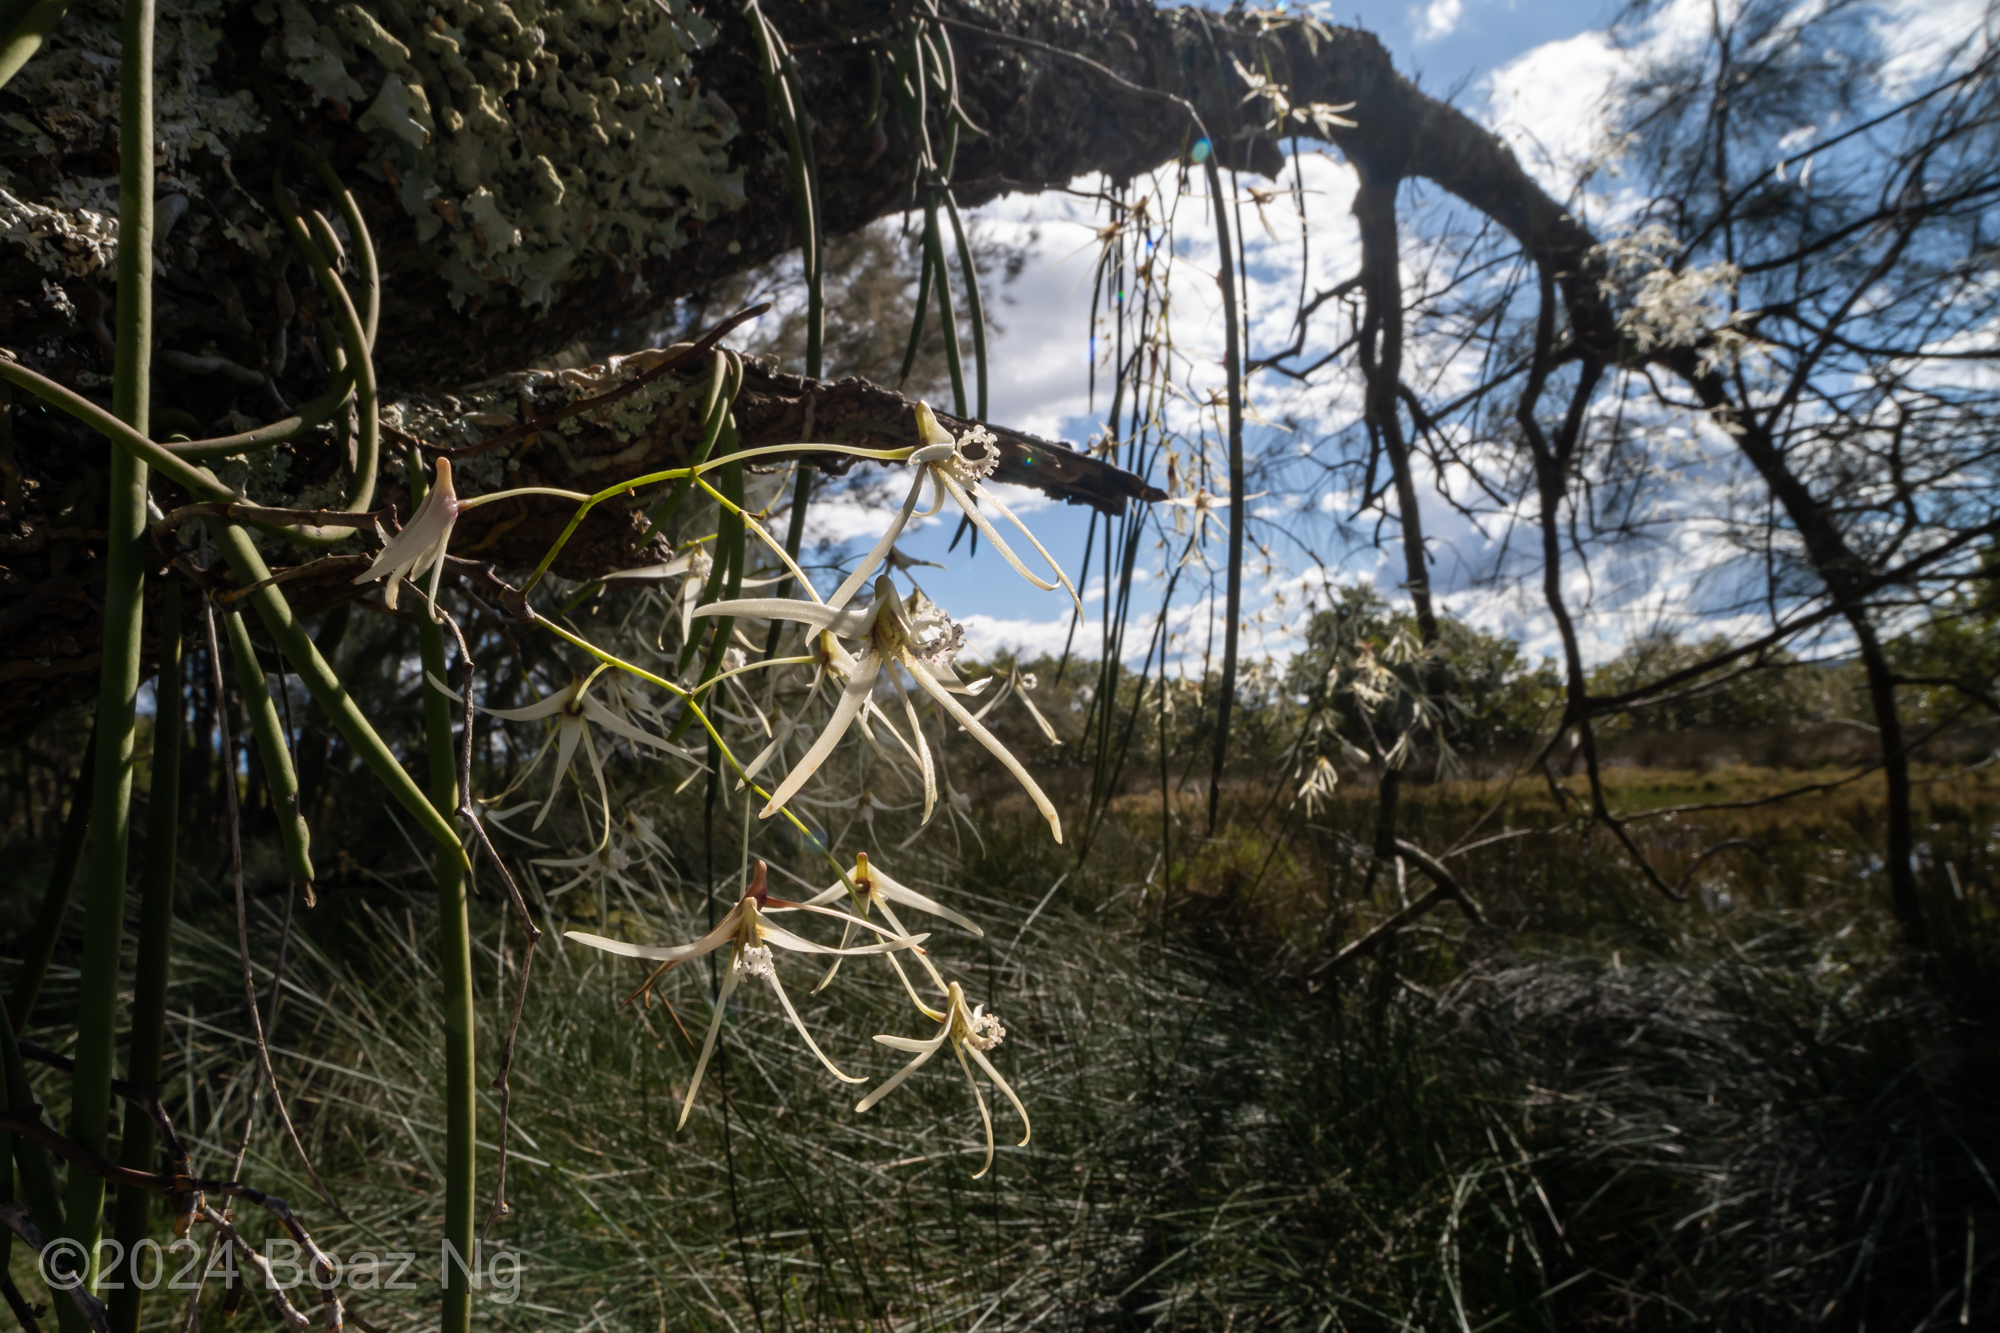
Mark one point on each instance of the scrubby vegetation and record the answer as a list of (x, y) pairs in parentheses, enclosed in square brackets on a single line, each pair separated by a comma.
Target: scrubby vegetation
[(1596, 1109)]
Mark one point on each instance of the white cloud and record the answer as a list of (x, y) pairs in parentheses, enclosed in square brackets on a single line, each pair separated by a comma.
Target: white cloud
[(1919, 33), (988, 636), (1437, 19), (1549, 104)]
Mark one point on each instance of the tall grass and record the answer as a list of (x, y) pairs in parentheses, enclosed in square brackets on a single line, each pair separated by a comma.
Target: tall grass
[(1613, 1113)]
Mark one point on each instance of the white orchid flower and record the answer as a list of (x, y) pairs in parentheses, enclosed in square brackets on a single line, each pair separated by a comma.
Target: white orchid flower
[(780, 732), (969, 1030), (601, 868), (889, 636), (831, 662), (958, 810), (693, 569), (958, 475), (749, 936), (1206, 507), (877, 889), (575, 713), (632, 849), (1320, 785), (630, 704), (420, 547), (1021, 684)]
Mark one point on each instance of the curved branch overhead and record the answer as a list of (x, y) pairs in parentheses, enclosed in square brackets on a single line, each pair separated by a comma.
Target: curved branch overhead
[(486, 263), (531, 175)]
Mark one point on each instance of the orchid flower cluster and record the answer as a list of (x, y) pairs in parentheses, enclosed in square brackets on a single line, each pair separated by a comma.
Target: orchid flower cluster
[(881, 654)]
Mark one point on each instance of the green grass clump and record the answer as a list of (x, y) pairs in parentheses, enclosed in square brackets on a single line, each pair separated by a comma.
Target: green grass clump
[(1603, 1112)]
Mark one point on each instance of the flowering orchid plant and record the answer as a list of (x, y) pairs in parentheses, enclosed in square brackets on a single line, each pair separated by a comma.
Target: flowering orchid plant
[(889, 660)]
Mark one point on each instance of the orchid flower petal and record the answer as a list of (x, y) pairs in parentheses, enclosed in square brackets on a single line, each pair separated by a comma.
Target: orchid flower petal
[(799, 1023), (846, 934), (898, 893), (677, 566), (724, 932), (980, 492), (707, 1045), (985, 1116), (532, 713), (992, 534), (422, 544), (895, 1080), (774, 608), (909, 1043), (1027, 1130), (851, 699), (784, 939), (603, 794), (870, 562), (568, 733), (1048, 727), (885, 932), (987, 739), (923, 750), (596, 712), (1006, 688)]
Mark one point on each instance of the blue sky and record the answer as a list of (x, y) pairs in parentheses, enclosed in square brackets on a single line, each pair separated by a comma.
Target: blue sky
[(1537, 73), (1484, 53), (1451, 45)]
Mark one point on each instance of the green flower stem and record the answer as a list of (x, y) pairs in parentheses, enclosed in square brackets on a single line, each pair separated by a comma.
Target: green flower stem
[(22, 34), (322, 683), (274, 749), (40, 947), (723, 382), (455, 969), (133, 1210), (515, 493), (734, 506), (678, 473), (124, 610)]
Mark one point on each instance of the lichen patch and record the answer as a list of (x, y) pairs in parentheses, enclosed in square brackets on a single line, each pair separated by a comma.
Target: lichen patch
[(472, 104)]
